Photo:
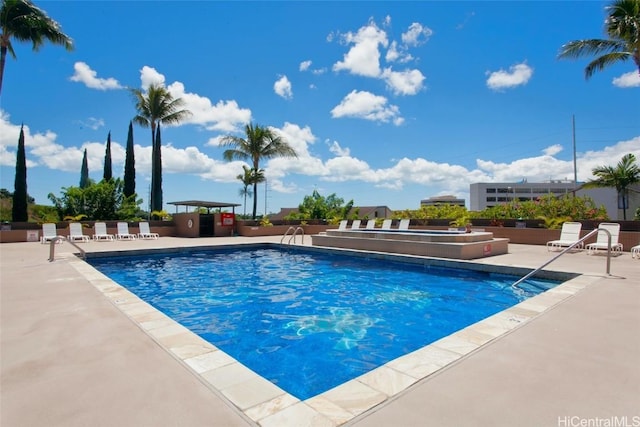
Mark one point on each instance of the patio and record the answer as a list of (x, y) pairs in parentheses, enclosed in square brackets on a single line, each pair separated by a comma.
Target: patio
[(70, 357)]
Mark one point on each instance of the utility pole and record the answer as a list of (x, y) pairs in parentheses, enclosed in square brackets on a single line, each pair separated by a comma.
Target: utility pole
[(575, 166)]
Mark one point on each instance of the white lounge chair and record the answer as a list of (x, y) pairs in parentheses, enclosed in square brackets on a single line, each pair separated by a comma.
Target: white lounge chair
[(145, 231), (123, 232), (569, 234), (343, 225), (602, 242), (386, 224), (355, 224), (371, 224), (635, 252), (404, 224), (100, 232), (49, 231), (76, 234)]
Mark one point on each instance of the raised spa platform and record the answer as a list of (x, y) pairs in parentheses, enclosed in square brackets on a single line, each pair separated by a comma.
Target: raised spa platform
[(432, 243)]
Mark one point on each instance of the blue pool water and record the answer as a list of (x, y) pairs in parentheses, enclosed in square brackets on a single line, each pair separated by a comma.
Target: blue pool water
[(308, 321)]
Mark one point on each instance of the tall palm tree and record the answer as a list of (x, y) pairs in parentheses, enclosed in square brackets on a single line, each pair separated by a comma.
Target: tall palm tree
[(625, 174), (23, 21), (154, 107), (622, 27), (260, 143), (245, 191)]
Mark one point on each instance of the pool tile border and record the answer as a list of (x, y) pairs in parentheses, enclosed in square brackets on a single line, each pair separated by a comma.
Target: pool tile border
[(268, 405)]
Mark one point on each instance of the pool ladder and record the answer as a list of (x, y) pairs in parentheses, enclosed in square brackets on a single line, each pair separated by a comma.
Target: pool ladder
[(589, 234), (55, 240), (294, 231)]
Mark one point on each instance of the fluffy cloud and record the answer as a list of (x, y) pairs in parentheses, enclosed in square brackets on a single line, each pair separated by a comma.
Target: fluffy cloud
[(282, 87), (363, 58), (365, 105), (630, 79), (518, 75), (44, 151), (84, 74), (336, 149), (408, 82), (224, 116), (552, 150), (304, 65), (416, 35)]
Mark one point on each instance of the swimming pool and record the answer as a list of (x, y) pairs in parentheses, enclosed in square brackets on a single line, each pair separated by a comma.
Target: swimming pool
[(308, 320)]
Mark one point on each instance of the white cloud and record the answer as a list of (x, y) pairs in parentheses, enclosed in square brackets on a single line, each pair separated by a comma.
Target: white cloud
[(545, 167), (630, 79), (609, 155), (552, 150), (365, 105), (91, 123), (84, 74), (416, 35), (149, 76), (518, 75), (9, 135), (408, 82), (393, 54), (298, 138), (224, 116), (363, 58), (397, 53), (44, 151), (304, 65), (336, 149), (282, 87)]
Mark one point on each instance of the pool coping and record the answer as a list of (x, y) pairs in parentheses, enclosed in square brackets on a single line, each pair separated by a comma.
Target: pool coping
[(266, 404)]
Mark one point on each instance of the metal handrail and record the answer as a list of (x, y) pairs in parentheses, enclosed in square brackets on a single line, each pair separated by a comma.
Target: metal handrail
[(296, 232), (293, 236), (573, 245), (286, 233), (55, 240)]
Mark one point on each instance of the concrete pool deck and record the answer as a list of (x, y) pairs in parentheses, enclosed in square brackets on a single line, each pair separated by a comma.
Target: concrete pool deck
[(71, 357)]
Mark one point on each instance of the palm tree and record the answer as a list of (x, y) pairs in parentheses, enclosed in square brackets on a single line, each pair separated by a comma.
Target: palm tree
[(622, 27), (625, 174), (247, 180), (22, 21), (157, 106), (261, 143)]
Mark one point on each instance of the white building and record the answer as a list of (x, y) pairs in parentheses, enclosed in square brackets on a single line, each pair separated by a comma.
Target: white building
[(487, 194), (442, 200)]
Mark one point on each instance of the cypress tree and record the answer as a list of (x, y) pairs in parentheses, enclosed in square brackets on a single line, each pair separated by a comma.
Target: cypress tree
[(129, 166), (108, 170), (19, 210), (156, 173), (84, 172)]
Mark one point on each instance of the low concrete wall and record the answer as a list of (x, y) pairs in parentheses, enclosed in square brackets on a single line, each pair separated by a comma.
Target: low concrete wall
[(401, 244), (32, 231), (278, 230), (540, 236)]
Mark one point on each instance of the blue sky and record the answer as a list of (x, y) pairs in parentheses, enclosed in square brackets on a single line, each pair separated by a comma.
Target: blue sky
[(386, 103)]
